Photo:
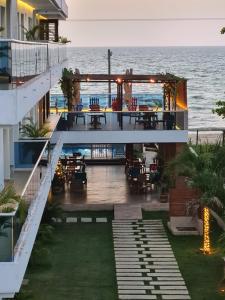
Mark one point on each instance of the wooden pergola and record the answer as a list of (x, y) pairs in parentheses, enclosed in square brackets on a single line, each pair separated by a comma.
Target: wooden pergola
[(174, 87)]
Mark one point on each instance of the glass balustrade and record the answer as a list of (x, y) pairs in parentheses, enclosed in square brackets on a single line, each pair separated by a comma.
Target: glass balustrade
[(126, 120), (20, 61)]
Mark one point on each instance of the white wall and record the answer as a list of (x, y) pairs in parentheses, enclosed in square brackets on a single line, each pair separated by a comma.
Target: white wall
[(124, 137), (22, 99), (1, 160)]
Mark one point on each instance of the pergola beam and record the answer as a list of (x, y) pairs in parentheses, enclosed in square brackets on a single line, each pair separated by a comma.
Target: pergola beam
[(119, 78)]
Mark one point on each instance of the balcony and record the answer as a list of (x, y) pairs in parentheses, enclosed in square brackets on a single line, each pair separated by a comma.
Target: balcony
[(17, 242), (124, 127), (53, 9), (21, 61)]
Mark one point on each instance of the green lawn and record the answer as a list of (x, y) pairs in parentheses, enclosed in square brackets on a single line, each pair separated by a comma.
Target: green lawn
[(202, 273), (82, 265)]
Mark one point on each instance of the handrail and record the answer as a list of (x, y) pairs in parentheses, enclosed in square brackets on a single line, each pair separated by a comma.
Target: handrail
[(38, 42), (207, 129), (34, 169)]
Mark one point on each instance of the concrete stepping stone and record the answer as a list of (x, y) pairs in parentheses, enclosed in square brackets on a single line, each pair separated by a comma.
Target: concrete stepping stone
[(130, 264), (174, 297), (137, 297), (136, 287), (129, 255), (130, 283), (86, 220), (119, 270), (130, 274), (131, 292), (123, 259), (164, 268), (162, 255), (170, 292), (171, 278), (167, 283), (165, 287), (177, 274), (71, 220), (130, 278), (155, 259), (101, 220)]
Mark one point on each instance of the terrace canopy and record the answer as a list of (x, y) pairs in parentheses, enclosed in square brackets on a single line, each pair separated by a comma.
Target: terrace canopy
[(174, 88)]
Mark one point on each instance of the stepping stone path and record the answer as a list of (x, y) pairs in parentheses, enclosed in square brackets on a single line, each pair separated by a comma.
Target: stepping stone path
[(146, 267)]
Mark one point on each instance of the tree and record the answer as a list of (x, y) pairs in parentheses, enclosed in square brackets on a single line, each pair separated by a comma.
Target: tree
[(222, 31), (204, 170), (220, 109), (70, 89)]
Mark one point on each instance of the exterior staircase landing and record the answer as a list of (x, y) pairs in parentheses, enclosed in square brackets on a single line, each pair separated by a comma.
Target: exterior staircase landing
[(127, 212)]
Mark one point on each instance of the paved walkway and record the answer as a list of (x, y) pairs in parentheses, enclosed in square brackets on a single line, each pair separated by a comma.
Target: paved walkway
[(145, 264), (127, 212)]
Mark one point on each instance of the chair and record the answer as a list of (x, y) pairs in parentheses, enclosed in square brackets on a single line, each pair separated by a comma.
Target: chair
[(132, 106), (94, 101), (169, 120), (81, 115)]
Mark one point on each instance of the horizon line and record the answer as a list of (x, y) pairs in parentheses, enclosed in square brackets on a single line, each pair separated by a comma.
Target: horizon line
[(147, 19)]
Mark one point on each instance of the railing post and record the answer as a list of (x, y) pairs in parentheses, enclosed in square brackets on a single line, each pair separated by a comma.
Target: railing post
[(223, 137), (48, 58), (197, 138)]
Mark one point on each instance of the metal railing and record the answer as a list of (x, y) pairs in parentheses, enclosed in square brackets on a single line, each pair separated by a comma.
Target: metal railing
[(22, 60), (127, 120), (206, 135), (35, 192)]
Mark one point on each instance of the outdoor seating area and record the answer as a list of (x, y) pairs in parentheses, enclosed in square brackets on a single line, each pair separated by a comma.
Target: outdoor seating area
[(70, 172), (97, 118), (142, 178)]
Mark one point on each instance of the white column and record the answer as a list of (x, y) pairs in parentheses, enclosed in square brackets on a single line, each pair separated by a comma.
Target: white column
[(11, 16), (6, 147), (1, 160), (12, 156)]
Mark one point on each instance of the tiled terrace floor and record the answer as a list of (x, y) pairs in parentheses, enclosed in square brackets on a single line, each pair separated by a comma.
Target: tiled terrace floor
[(106, 185)]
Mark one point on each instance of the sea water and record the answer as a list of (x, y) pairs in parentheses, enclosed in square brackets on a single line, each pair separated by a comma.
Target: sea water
[(204, 67)]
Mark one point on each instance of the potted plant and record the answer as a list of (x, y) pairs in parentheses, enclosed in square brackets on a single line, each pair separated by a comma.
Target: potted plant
[(64, 40), (32, 130)]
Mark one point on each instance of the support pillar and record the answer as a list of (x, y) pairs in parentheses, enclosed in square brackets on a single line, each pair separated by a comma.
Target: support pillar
[(1, 161), (6, 150), (11, 16)]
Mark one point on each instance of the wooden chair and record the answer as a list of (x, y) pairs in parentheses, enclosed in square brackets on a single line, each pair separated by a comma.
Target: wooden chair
[(80, 115)]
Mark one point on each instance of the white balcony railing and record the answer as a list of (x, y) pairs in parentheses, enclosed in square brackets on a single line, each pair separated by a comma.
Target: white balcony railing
[(36, 194), (22, 60)]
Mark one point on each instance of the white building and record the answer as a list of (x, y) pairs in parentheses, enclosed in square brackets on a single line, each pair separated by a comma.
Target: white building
[(28, 70)]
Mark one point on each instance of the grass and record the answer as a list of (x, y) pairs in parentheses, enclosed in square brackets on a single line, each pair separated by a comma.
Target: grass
[(82, 265), (201, 273)]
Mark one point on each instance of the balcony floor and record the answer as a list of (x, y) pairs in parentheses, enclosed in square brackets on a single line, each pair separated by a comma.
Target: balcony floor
[(106, 186), (111, 124), (19, 180)]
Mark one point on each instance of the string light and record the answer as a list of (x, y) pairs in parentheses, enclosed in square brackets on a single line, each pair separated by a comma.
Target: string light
[(206, 227)]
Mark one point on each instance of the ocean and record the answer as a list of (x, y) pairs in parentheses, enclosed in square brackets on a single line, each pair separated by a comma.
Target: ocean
[(204, 67)]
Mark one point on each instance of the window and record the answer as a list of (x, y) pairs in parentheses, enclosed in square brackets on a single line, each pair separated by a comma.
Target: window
[(22, 26), (2, 19), (18, 22), (30, 23)]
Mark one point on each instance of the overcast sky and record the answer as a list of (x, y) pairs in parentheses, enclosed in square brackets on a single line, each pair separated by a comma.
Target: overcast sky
[(144, 33)]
